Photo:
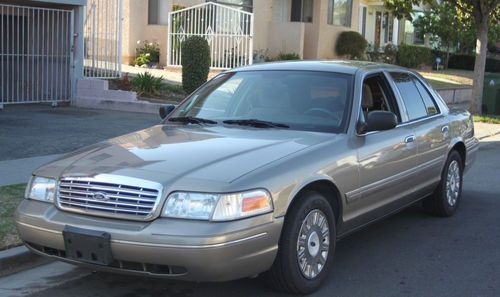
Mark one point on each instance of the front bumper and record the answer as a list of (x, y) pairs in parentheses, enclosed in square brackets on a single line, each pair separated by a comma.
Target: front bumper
[(170, 248)]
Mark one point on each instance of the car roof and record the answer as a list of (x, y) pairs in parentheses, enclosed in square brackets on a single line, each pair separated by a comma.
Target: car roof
[(339, 66)]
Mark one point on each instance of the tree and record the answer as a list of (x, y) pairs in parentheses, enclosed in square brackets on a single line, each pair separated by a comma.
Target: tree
[(446, 25), (481, 13)]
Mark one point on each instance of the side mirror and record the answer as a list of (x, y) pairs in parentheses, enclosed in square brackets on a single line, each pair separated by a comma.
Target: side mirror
[(378, 120), (165, 110)]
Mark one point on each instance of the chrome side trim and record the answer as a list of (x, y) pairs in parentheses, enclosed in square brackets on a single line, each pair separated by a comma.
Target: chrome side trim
[(366, 190), (203, 246)]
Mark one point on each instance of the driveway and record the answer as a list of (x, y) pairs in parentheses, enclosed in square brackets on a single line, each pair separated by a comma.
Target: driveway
[(38, 130), (32, 135)]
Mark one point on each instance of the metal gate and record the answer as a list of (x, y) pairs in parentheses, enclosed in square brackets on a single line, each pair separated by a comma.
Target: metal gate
[(102, 39), (229, 33), (36, 54)]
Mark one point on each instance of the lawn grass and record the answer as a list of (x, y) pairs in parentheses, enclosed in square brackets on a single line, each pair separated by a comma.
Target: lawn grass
[(490, 119), (10, 197), (445, 79), (438, 84)]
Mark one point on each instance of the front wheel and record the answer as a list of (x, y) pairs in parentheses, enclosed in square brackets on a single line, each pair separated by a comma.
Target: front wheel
[(444, 202), (306, 246)]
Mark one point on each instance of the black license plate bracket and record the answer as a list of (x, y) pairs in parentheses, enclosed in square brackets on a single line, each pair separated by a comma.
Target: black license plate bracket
[(88, 246)]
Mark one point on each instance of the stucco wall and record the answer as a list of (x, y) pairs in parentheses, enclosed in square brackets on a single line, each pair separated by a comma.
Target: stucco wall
[(135, 28), (328, 34), (262, 16), (285, 38)]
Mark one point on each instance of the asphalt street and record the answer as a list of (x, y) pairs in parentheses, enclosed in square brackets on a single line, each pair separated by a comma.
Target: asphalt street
[(408, 254)]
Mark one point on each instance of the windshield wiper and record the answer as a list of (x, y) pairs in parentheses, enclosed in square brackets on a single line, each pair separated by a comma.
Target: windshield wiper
[(256, 123), (192, 120)]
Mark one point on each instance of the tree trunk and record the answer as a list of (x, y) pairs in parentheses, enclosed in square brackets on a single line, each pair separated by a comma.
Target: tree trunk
[(447, 59), (480, 66)]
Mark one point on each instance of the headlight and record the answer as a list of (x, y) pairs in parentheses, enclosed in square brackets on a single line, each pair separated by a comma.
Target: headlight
[(41, 188), (217, 207)]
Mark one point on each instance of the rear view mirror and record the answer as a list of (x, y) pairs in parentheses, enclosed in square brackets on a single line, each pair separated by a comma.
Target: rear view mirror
[(165, 110), (378, 120)]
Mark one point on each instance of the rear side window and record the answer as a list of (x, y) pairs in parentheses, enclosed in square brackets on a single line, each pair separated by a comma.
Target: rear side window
[(411, 93), (430, 105)]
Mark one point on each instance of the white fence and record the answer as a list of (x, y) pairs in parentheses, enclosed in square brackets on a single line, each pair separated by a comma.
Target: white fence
[(229, 33), (102, 35), (36, 54)]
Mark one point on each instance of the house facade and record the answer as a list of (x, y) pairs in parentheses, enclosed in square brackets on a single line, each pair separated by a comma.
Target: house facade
[(308, 28)]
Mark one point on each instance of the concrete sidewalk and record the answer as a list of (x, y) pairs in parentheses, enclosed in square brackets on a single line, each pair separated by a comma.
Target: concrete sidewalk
[(483, 130), (19, 171)]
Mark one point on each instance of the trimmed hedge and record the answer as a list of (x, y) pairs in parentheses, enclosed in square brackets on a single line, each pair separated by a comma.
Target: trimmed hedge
[(351, 44), (467, 62), (412, 56), (195, 63)]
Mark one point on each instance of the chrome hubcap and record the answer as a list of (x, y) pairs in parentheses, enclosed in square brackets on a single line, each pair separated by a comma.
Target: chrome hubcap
[(453, 183), (313, 244)]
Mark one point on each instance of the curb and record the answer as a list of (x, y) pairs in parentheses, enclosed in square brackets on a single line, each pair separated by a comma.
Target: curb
[(489, 135), (18, 259)]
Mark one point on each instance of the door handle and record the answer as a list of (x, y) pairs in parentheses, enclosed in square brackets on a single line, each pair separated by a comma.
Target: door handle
[(445, 129), (410, 139)]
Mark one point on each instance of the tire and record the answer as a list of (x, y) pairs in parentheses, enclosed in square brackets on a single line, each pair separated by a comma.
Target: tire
[(446, 198), (286, 274)]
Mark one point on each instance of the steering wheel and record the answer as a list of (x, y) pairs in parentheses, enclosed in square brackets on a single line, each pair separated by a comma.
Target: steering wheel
[(323, 112)]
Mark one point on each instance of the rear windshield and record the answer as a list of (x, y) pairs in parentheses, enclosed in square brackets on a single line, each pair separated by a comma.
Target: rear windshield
[(302, 100)]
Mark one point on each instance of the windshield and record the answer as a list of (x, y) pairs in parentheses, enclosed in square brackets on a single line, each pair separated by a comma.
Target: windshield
[(298, 100)]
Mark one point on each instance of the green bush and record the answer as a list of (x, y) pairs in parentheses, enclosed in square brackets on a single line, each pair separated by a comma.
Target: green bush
[(147, 84), (195, 63), (142, 59), (413, 56), (351, 44), (390, 53), (147, 52), (287, 57), (467, 62)]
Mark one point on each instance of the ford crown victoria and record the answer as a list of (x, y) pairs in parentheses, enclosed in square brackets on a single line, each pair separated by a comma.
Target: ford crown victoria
[(258, 172)]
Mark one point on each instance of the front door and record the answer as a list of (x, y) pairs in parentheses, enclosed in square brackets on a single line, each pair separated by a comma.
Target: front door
[(386, 159)]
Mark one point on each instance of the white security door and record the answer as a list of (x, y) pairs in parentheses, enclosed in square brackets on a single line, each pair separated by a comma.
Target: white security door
[(229, 33)]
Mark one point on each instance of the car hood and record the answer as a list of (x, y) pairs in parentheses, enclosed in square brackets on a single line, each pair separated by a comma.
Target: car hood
[(166, 153)]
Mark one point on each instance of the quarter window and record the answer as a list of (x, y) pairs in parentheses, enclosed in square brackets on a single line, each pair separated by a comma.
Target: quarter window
[(430, 104), (415, 107)]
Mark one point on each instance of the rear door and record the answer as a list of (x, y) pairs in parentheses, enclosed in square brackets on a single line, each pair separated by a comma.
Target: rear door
[(431, 129)]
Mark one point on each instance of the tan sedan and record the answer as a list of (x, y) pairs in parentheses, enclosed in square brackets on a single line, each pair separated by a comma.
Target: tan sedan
[(260, 171)]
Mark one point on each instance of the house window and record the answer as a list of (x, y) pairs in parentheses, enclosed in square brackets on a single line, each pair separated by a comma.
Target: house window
[(339, 12), (246, 5), (158, 12), (302, 11), (417, 35)]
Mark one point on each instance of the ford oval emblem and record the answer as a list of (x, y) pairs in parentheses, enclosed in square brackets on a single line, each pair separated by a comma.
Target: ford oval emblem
[(101, 196)]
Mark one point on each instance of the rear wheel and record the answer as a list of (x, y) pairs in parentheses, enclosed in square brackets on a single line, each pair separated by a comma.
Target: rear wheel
[(444, 202), (306, 246)]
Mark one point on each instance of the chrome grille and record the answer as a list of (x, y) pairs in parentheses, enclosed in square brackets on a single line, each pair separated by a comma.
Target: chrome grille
[(103, 198)]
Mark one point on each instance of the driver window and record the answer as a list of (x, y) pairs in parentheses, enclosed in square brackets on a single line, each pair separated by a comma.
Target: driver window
[(376, 96)]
